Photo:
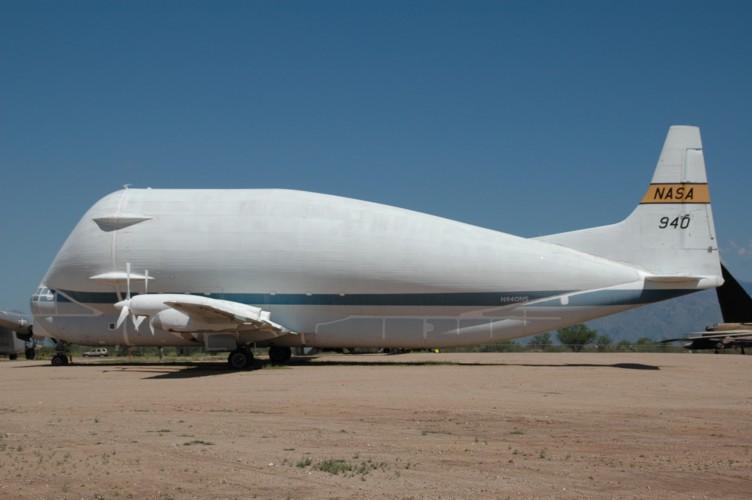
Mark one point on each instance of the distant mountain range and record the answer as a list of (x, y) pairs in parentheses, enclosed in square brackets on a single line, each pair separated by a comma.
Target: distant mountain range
[(669, 319)]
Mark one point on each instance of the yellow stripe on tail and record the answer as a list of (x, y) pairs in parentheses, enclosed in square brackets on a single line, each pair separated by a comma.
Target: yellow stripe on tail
[(687, 192)]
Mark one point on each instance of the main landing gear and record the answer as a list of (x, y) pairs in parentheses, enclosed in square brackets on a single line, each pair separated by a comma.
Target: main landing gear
[(240, 359), (30, 349), (279, 354)]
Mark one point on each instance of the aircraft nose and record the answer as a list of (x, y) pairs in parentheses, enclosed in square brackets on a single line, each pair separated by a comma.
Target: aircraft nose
[(43, 301)]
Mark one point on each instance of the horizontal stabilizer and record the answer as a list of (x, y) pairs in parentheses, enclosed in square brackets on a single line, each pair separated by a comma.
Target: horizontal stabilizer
[(673, 279), (119, 277), (690, 281)]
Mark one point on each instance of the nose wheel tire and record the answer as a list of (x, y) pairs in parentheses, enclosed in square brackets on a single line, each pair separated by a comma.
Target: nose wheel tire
[(279, 355), (59, 360), (240, 359), (30, 353)]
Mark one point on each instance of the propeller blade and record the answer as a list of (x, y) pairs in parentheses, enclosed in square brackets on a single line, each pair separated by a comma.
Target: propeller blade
[(146, 281), (137, 320), (123, 314), (128, 279), (151, 325)]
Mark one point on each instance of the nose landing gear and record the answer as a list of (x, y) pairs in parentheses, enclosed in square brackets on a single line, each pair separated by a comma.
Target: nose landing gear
[(61, 357)]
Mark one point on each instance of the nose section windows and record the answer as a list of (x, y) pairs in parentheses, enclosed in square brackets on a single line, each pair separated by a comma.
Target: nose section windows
[(43, 294), (43, 302)]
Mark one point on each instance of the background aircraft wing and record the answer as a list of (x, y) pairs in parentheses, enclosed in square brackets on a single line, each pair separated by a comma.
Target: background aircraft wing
[(15, 322), (667, 341), (729, 334), (723, 334)]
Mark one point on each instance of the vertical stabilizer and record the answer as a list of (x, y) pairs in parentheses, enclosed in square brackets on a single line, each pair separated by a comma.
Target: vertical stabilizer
[(671, 232)]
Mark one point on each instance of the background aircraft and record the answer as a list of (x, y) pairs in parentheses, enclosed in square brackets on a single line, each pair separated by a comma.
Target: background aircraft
[(736, 329), (16, 335), (229, 269)]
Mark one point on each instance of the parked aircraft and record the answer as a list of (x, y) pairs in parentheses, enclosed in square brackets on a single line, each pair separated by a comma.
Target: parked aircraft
[(15, 335), (229, 269), (736, 329)]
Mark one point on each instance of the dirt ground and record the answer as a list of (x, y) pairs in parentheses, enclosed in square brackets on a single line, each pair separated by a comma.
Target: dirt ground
[(364, 426)]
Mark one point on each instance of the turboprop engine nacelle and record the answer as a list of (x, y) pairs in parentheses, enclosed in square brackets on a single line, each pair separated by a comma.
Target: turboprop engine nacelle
[(172, 320), (145, 305)]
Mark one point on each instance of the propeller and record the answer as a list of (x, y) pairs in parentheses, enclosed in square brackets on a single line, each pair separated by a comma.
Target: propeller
[(125, 305)]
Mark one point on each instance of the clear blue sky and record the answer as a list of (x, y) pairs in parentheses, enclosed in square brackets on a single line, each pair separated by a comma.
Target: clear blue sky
[(526, 117)]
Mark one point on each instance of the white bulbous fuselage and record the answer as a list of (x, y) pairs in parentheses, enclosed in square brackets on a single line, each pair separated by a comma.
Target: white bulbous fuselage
[(324, 271)]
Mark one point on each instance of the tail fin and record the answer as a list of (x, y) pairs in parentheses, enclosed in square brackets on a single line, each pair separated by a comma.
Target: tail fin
[(736, 305), (671, 232)]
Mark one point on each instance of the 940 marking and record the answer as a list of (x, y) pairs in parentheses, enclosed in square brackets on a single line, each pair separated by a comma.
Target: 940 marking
[(680, 222)]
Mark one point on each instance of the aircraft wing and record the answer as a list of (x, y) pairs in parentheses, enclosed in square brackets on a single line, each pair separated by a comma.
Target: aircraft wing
[(246, 317)]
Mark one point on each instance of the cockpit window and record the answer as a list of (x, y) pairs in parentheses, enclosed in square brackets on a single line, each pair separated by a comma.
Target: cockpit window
[(43, 294)]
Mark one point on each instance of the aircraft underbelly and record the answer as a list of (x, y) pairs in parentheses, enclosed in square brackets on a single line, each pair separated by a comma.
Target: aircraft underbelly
[(332, 326)]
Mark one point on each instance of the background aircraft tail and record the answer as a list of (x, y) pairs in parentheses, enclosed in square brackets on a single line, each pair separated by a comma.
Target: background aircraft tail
[(735, 302), (671, 232)]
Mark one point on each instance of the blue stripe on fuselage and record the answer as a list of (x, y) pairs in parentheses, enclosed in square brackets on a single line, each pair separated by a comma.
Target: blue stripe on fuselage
[(471, 299), (354, 299)]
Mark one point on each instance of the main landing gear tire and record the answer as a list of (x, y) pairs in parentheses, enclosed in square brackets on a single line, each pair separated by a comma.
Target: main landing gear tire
[(59, 360), (279, 355), (240, 359), (30, 353), (12, 357)]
